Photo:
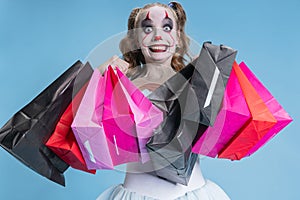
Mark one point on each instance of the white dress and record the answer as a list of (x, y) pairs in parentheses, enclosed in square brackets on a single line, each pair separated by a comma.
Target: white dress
[(209, 191), (143, 186)]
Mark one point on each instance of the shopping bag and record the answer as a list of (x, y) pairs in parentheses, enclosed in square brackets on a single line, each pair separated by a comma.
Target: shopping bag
[(210, 78), (190, 101), (126, 118), (89, 133), (260, 123), (233, 115), (62, 141), (146, 116), (25, 134), (282, 117)]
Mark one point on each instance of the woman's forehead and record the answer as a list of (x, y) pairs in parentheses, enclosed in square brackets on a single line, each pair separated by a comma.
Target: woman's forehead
[(156, 13)]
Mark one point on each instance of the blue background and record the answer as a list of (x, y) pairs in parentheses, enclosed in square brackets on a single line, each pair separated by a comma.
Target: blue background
[(40, 39)]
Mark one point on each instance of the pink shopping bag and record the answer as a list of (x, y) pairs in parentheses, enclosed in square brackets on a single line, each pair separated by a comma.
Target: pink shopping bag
[(89, 133), (233, 115), (128, 119), (260, 123), (118, 122), (114, 121), (146, 116)]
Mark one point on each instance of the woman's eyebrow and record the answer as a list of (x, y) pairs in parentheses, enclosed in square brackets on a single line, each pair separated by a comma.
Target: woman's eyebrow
[(168, 21), (147, 21)]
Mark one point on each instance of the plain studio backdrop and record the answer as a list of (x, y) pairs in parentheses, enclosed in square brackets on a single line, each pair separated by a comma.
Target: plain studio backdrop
[(40, 39)]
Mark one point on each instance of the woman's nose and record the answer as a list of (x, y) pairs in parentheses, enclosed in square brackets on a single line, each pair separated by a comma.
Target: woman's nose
[(157, 37), (157, 34)]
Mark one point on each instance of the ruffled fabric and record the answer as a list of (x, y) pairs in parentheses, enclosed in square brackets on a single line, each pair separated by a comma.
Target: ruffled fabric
[(209, 191)]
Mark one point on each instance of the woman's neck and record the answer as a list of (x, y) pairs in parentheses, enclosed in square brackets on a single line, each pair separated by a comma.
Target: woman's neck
[(157, 73), (151, 76)]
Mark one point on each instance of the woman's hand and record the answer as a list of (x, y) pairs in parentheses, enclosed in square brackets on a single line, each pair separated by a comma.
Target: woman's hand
[(114, 62)]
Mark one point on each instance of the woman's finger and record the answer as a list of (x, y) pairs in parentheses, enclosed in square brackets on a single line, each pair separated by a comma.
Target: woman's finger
[(121, 64), (114, 61)]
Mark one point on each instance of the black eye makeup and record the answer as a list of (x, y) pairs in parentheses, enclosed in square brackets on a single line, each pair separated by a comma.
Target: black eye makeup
[(167, 24), (147, 25)]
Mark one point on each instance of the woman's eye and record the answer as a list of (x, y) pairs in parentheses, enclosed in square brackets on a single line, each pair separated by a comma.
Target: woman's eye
[(167, 28), (148, 29)]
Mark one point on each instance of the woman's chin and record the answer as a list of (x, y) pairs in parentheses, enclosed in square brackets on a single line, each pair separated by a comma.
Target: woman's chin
[(159, 57)]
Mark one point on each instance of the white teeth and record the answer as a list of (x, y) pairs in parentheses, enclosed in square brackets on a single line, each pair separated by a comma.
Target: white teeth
[(162, 48)]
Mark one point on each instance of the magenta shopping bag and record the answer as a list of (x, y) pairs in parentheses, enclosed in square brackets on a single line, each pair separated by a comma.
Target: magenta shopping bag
[(146, 116), (114, 121), (118, 122), (233, 115), (128, 119), (282, 117)]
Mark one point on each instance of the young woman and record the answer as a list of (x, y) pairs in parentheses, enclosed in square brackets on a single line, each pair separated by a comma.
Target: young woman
[(154, 48)]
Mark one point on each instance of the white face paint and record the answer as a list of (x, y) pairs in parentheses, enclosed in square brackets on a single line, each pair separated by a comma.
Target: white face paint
[(157, 35)]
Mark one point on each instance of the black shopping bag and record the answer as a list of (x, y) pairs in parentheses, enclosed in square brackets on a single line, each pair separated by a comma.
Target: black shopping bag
[(190, 100), (25, 134)]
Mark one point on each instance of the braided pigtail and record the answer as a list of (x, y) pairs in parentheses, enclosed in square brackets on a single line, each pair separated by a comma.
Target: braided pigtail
[(180, 13), (131, 53), (182, 48)]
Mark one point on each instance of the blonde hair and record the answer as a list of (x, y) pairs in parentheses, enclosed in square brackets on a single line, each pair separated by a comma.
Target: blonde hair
[(133, 55)]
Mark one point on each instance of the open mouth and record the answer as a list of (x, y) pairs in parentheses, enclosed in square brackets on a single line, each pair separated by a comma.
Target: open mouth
[(158, 48)]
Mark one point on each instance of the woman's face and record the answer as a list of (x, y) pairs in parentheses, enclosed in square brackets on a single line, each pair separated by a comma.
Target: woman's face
[(157, 35)]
